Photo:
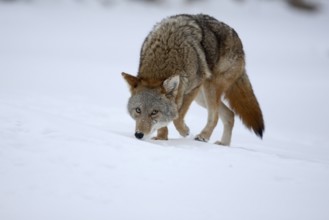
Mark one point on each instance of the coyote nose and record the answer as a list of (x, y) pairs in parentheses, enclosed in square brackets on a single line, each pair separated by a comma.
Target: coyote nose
[(139, 135)]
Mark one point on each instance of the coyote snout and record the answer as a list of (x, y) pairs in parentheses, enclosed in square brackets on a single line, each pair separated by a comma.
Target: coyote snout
[(139, 135), (152, 108)]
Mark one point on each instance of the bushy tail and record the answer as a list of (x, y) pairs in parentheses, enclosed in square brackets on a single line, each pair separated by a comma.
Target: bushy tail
[(244, 103)]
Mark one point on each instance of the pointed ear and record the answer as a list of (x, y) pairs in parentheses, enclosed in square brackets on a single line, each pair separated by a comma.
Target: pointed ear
[(171, 85), (131, 80)]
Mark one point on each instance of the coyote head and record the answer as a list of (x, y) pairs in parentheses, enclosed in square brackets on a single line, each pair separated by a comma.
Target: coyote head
[(152, 103)]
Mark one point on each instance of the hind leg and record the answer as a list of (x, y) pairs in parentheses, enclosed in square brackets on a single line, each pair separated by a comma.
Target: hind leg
[(209, 97), (227, 117)]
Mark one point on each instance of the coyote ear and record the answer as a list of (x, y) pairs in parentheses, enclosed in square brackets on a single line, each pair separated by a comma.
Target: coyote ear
[(171, 85), (131, 80)]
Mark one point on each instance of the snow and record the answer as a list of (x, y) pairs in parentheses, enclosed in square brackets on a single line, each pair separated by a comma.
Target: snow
[(67, 149)]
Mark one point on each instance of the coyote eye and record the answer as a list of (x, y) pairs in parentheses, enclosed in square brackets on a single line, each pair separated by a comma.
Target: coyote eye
[(138, 110), (154, 112)]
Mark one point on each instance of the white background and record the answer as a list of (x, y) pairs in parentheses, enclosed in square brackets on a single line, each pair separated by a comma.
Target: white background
[(67, 145)]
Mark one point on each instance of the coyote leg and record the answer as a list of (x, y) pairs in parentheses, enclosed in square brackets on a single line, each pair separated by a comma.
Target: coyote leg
[(216, 109), (162, 134), (185, 104), (227, 117), (211, 96)]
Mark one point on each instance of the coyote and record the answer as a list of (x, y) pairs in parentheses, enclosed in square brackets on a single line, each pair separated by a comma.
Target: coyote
[(192, 57)]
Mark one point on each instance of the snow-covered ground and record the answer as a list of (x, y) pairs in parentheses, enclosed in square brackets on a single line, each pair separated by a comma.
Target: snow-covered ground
[(67, 149)]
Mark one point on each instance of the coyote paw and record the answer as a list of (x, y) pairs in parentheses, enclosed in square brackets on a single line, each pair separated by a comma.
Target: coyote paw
[(222, 143), (182, 128), (159, 138), (201, 138), (185, 131)]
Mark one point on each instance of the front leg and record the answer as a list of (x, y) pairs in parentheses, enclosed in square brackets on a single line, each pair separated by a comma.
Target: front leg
[(185, 104), (162, 134), (181, 127)]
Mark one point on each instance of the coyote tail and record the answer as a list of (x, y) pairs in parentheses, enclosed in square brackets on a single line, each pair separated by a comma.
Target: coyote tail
[(244, 103)]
